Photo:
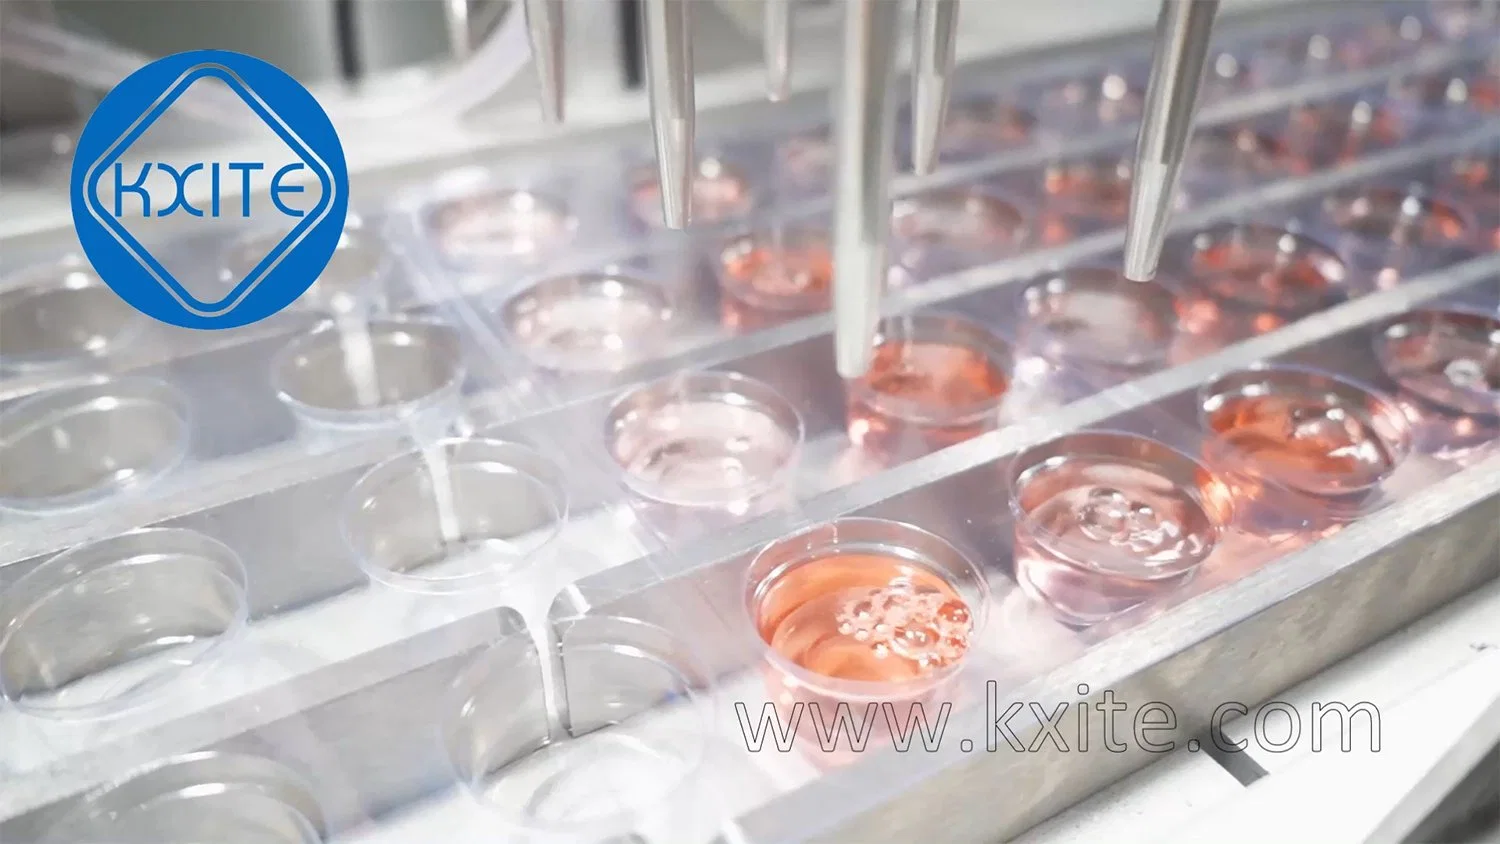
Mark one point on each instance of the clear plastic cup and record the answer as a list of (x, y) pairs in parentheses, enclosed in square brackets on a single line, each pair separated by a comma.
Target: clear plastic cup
[(954, 228), (1106, 521), (501, 224), (1301, 429), (208, 797), (77, 447), (704, 440), (934, 380), (1097, 319), (720, 192), (589, 322), (459, 514), (634, 727), (1446, 366), (60, 313), (861, 611), (1388, 234), (115, 625), (376, 373)]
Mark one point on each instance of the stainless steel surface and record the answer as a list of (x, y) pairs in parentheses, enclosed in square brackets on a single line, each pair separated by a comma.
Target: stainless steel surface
[(1182, 45), (669, 74), (866, 128), (936, 40), (544, 24), (778, 49)]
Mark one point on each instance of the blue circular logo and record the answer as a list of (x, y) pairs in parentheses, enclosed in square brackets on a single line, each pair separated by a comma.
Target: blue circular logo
[(298, 189)]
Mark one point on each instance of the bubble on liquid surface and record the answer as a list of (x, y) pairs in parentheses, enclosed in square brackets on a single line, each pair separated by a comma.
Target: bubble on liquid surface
[(869, 618), (1122, 517)]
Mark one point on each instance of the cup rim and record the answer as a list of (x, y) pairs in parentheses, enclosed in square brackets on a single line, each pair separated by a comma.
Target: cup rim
[(655, 294), (48, 276), (50, 578), (375, 417), (682, 662), (51, 407), (557, 500), (706, 382), (972, 335), (1401, 448), (1222, 514)]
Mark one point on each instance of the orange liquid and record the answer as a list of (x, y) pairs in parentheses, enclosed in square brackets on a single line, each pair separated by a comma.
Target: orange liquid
[(919, 396), (763, 286), (1261, 277), (1303, 441), (1320, 136), (1083, 197), (985, 125), (865, 617)]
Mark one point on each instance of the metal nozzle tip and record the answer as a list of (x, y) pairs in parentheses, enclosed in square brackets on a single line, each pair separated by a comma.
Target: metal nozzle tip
[(1150, 200), (669, 69), (858, 285)]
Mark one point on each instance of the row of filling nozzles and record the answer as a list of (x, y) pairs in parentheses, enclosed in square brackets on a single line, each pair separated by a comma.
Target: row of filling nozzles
[(865, 126)]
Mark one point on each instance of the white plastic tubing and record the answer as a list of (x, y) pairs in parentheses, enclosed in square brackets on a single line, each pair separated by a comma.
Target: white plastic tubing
[(99, 66)]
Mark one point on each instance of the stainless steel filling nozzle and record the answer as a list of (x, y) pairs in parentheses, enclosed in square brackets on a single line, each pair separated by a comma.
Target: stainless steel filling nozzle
[(866, 129), (932, 70), (778, 49), (1183, 32), (544, 25), (669, 73)]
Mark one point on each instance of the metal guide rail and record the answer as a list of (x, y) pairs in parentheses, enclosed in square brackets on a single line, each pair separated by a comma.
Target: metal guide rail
[(530, 515)]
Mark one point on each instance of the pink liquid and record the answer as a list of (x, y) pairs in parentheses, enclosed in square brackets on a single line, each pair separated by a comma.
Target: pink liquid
[(1101, 535), (865, 617), (766, 284), (924, 395), (1308, 440), (702, 452), (1447, 365), (718, 193), (505, 224)]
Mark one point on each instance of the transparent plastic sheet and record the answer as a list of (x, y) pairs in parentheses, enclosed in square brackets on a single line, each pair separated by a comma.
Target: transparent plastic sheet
[(628, 511)]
